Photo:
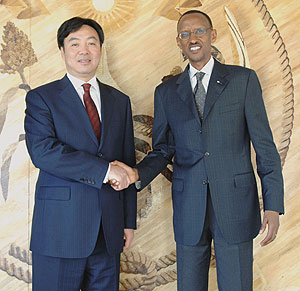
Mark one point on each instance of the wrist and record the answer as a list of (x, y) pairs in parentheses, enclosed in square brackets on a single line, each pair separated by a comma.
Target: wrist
[(136, 175)]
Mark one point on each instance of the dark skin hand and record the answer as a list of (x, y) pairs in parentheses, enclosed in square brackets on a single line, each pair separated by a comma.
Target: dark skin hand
[(270, 219)]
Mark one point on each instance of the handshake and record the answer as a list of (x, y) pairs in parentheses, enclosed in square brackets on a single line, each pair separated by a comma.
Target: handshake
[(121, 176)]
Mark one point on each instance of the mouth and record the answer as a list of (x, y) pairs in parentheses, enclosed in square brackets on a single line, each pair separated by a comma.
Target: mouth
[(195, 48), (84, 61)]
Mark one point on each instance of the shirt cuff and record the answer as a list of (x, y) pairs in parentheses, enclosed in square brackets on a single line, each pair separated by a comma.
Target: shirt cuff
[(106, 176), (138, 185)]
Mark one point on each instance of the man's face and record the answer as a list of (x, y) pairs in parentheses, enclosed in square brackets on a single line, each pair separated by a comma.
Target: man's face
[(196, 48), (82, 52)]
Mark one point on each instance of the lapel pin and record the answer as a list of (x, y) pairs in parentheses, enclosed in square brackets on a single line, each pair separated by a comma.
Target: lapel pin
[(219, 82)]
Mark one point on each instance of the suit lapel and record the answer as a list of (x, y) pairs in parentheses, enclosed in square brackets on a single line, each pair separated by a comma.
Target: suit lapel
[(107, 105), (77, 107), (217, 84), (184, 90)]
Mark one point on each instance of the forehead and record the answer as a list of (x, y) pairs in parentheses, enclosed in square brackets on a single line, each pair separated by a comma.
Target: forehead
[(84, 32), (193, 20)]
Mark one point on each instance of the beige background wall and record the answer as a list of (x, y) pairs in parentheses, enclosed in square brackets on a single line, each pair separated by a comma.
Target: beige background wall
[(139, 50)]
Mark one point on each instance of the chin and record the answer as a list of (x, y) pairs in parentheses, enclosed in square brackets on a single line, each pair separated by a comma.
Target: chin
[(196, 60)]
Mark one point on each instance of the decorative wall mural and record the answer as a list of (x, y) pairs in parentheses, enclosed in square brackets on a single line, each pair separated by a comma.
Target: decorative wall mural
[(13, 268), (139, 52), (24, 9), (172, 9), (148, 273), (238, 38), (111, 14), (286, 76), (16, 54)]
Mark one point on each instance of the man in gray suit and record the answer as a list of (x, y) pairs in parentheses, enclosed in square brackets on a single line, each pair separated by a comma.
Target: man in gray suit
[(204, 120)]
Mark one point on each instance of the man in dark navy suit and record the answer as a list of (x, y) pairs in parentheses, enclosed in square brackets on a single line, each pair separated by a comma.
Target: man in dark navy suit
[(74, 128), (204, 121)]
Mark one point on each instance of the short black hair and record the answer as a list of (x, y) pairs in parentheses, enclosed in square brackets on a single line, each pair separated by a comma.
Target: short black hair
[(74, 24), (195, 11)]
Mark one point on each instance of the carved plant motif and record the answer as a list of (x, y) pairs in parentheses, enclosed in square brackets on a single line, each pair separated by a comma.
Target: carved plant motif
[(17, 52)]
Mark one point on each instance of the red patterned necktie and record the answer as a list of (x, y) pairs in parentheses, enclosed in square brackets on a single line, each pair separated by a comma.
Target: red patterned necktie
[(92, 110)]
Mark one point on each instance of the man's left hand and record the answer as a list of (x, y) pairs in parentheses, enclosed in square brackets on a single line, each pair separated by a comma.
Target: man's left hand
[(271, 218)]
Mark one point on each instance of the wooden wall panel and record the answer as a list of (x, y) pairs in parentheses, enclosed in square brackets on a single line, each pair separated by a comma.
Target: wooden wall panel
[(140, 49)]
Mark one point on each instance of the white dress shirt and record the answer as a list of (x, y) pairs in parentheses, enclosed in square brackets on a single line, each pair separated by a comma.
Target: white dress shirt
[(95, 95), (207, 69), (94, 90)]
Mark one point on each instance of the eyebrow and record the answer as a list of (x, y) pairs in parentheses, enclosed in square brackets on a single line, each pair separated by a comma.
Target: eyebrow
[(76, 38)]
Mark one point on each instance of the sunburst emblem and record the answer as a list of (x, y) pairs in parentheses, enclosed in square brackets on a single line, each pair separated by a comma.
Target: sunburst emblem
[(110, 14)]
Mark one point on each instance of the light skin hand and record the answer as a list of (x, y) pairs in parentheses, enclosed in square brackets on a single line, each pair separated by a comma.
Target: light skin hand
[(118, 177), (132, 173), (128, 236), (271, 218)]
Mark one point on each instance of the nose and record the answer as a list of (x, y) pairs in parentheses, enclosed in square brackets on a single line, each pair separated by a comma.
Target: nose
[(193, 38), (84, 49)]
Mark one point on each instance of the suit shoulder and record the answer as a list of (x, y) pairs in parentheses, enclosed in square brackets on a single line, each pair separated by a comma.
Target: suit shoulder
[(112, 90), (45, 87), (235, 69), (169, 82)]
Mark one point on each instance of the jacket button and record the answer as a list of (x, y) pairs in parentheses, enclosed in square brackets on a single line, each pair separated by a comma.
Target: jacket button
[(204, 182), (99, 155), (200, 131), (207, 154)]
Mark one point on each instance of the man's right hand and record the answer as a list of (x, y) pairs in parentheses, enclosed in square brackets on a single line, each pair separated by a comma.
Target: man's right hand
[(118, 177), (132, 173)]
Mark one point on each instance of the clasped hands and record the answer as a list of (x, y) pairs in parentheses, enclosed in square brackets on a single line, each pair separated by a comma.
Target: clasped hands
[(121, 176)]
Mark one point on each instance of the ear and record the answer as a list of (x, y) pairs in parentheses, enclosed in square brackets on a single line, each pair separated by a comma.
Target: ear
[(213, 36), (62, 53), (178, 42)]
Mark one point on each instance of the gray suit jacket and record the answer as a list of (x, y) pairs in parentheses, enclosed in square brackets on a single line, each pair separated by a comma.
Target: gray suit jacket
[(216, 152)]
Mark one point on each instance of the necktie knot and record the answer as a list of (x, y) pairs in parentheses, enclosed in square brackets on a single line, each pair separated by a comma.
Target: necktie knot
[(199, 76), (86, 87)]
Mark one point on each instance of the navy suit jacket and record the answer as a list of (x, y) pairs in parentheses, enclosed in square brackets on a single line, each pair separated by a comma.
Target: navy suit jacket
[(216, 152), (70, 198)]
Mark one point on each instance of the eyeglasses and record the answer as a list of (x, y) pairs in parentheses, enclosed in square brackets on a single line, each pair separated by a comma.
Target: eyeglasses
[(185, 35)]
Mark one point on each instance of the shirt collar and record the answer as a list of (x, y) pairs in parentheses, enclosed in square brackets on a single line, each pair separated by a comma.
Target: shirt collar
[(77, 83), (207, 69)]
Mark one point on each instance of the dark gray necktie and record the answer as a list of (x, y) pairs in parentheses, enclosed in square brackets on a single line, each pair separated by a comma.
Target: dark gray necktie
[(200, 94)]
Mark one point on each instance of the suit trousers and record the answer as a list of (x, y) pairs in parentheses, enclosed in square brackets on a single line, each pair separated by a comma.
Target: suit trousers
[(98, 272), (234, 261)]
